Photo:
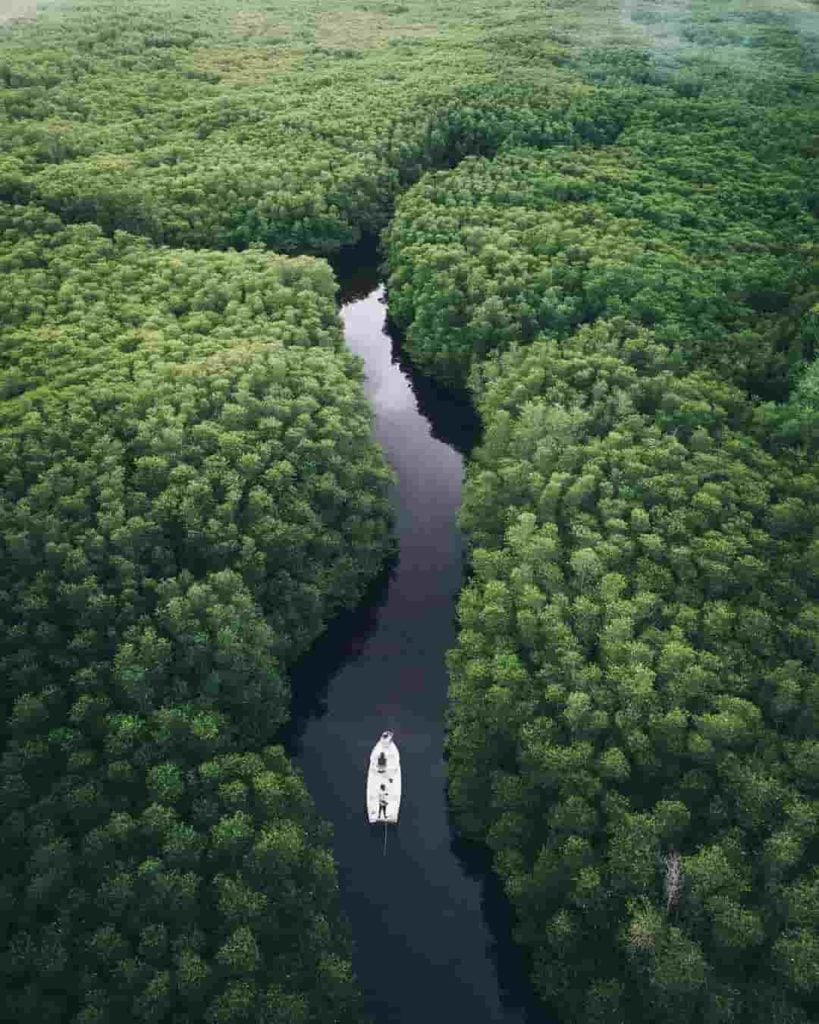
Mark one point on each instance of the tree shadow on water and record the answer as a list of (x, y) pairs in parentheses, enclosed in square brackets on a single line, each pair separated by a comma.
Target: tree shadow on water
[(358, 270), (510, 960), (450, 412), (341, 642)]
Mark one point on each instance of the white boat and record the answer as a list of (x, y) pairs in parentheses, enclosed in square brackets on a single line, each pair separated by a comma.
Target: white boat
[(384, 782)]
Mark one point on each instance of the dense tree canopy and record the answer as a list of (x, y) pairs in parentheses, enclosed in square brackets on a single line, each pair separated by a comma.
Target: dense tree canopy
[(190, 490), (179, 412), (683, 226), (616, 247), (159, 875), (223, 129), (636, 682), (633, 718)]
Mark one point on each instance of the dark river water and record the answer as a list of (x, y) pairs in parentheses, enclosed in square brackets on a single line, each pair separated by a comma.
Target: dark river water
[(430, 927)]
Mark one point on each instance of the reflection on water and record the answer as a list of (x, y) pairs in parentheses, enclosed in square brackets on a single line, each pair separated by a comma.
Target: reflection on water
[(431, 940), (449, 413), (342, 642)]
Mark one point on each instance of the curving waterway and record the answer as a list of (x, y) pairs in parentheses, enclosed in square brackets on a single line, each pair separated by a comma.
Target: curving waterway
[(430, 928)]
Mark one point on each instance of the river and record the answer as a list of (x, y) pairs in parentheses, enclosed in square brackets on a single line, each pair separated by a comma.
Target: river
[(430, 927)]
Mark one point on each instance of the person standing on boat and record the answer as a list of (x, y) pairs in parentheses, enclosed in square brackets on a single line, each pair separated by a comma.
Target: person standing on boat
[(382, 803)]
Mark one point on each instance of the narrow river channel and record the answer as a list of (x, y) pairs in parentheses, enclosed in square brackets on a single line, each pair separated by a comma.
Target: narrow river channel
[(430, 928)]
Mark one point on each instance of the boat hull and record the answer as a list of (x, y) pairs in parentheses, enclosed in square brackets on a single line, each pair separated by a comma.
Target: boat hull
[(384, 782)]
